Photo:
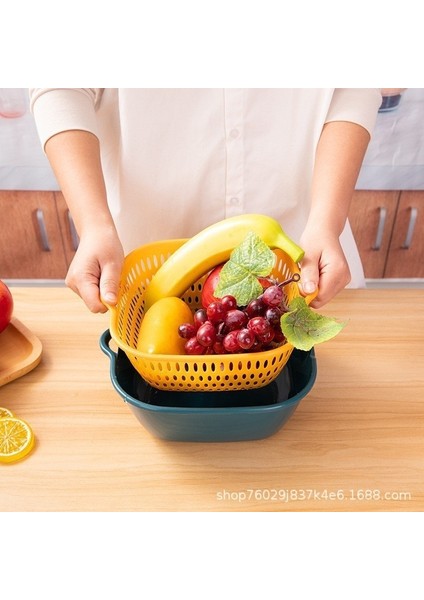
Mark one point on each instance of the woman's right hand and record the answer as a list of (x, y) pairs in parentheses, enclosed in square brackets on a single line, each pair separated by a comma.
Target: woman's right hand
[(96, 268)]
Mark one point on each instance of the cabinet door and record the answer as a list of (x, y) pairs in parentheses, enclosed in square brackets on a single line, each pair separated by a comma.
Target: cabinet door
[(67, 228), (31, 245), (406, 252), (372, 215)]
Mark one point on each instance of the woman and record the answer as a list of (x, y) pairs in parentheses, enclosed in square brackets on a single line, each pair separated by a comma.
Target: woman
[(137, 165)]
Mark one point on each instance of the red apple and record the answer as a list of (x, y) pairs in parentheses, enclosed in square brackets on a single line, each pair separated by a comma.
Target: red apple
[(6, 306), (209, 286), (212, 281)]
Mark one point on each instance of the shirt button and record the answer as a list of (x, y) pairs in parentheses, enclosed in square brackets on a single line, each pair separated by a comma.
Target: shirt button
[(234, 201), (234, 133)]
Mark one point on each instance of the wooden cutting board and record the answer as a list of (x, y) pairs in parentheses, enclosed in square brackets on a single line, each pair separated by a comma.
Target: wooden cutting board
[(20, 351)]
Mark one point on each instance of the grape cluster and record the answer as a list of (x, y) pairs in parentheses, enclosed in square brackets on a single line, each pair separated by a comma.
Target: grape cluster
[(225, 328)]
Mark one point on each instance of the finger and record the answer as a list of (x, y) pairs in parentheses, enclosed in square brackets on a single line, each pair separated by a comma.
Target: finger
[(330, 284), (309, 277), (109, 283), (88, 289), (89, 292)]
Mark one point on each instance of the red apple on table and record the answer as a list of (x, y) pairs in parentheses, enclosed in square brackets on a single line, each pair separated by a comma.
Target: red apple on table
[(6, 306)]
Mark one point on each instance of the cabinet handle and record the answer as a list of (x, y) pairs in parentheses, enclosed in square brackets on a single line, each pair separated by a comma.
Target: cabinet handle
[(43, 230), (380, 228), (73, 231), (411, 227)]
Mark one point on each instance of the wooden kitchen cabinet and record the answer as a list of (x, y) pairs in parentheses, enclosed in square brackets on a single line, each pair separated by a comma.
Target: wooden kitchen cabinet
[(37, 240), (406, 253), (388, 227)]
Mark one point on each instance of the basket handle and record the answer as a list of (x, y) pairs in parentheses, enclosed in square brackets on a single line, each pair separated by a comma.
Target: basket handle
[(104, 345), (310, 297), (111, 308)]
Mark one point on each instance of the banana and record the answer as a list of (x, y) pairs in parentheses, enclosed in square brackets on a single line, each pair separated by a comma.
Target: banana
[(212, 246)]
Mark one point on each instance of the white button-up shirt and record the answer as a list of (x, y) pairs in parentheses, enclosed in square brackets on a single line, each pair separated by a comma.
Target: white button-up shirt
[(177, 160)]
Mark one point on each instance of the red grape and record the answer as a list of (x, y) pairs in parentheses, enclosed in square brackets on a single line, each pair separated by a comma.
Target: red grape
[(230, 342), (266, 337), (273, 315), (218, 347), (200, 317), (245, 338), (235, 319), (255, 307), (187, 330), (259, 325), (192, 346), (206, 334), (216, 311), (272, 296), (229, 302)]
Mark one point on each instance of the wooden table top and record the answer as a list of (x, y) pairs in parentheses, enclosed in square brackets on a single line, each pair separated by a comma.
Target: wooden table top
[(355, 443)]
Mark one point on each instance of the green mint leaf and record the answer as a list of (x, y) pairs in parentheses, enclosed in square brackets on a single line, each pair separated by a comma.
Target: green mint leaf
[(305, 328), (248, 261)]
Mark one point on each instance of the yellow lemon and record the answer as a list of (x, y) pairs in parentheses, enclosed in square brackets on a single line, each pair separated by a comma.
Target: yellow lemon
[(16, 439), (5, 412), (159, 327)]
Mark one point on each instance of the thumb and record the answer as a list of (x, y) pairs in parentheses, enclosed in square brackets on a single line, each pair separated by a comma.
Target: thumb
[(109, 283), (309, 276)]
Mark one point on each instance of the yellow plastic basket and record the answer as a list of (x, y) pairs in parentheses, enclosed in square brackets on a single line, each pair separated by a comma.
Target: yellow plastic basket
[(213, 373)]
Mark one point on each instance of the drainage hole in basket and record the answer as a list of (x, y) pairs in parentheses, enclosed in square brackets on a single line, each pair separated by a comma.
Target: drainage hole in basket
[(204, 367)]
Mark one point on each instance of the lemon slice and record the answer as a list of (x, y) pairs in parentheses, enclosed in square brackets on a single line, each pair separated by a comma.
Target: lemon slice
[(5, 412), (16, 439)]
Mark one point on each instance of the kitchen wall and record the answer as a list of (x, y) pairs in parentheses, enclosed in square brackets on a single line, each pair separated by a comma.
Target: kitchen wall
[(23, 165)]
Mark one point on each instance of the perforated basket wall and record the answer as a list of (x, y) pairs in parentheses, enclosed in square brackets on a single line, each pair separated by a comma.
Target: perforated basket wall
[(187, 372)]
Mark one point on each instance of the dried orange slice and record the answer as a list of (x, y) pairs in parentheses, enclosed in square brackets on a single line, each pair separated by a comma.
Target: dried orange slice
[(16, 439), (5, 412)]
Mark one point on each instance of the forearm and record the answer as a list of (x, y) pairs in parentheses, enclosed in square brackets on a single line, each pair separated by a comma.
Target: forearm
[(339, 156), (75, 159)]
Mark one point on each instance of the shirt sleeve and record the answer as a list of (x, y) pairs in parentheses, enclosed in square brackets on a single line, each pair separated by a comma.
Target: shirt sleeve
[(356, 105), (62, 109)]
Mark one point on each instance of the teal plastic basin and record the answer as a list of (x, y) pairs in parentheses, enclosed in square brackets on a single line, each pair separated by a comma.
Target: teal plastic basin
[(213, 416)]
